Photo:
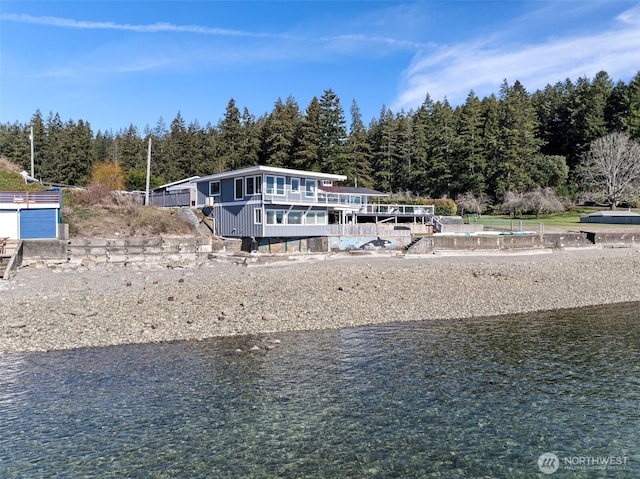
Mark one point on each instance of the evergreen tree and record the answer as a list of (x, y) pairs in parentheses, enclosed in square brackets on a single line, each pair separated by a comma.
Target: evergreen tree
[(358, 151), (177, 158), (382, 139), (552, 107), (230, 138), (15, 144), (631, 121), (332, 134), (441, 144), (587, 120), (517, 144), (131, 152), (617, 108), (307, 140), (420, 179), (402, 153), (279, 133), (469, 158), (251, 130), (51, 157)]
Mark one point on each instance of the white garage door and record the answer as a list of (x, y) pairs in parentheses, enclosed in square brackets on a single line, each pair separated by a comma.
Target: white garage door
[(9, 224)]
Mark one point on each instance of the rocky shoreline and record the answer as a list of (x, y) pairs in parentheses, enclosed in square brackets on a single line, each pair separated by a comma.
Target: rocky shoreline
[(42, 310)]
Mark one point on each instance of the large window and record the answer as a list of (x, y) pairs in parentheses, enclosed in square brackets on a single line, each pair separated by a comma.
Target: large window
[(239, 188), (316, 218), (214, 188), (275, 217), (275, 185), (294, 217)]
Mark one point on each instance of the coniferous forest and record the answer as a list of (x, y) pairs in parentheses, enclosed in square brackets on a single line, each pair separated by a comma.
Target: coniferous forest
[(511, 141)]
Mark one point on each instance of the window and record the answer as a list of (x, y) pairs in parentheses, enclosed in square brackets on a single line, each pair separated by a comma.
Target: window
[(239, 188), (295, 185), (214, 188), (316, 218), (275, 217), (275, 185), (310, 188), (294, 217), (253, 185), (257, 216)]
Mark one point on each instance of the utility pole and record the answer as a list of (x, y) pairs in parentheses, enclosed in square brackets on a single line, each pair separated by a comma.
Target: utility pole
[(32, 153), (146, 198)]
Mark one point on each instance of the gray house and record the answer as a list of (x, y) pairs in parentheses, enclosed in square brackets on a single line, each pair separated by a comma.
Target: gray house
[(268, 202), (279, 209)]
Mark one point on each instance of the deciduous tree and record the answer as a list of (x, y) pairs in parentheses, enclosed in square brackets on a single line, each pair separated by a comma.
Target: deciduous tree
[(612, 167)]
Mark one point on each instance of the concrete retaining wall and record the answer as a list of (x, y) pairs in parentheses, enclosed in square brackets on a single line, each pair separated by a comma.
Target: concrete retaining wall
[(91, 252), (582, 239), (176, 251), (615, 239)]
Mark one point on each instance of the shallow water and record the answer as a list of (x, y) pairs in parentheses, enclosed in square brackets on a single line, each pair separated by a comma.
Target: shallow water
[(470, 398)]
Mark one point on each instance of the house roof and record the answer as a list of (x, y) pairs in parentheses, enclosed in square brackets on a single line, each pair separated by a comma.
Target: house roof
[(613, 213), (176, 183), (351, 190), (272, 170)]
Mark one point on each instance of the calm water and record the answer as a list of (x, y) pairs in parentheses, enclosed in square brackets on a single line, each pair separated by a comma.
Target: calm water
[(473, 398)]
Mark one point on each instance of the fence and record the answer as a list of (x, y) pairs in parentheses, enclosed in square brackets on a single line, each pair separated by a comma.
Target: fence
[(507, 224), (171, 199), (26, 198)]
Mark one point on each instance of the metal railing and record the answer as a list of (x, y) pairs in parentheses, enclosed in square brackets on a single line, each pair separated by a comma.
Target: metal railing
[(365, 229), (318, 198), (398, 209), (27, 198)]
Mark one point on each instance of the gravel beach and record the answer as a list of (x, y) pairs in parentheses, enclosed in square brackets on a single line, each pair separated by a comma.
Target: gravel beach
[(43, 310)]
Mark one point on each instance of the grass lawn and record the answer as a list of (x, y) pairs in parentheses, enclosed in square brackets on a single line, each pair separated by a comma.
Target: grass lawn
[(569, 220)]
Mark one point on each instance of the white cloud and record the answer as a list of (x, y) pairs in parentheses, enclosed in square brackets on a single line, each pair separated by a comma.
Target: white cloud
[(151, 28), (453, 71)]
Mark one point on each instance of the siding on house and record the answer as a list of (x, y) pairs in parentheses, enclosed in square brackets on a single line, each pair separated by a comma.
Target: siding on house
[(276, 202)]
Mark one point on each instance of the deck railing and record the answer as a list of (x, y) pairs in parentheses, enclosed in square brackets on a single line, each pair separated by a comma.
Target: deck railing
[(26, 198), (321, 198), (398, 210)]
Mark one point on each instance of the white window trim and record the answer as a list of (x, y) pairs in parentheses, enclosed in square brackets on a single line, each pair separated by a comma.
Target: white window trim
[(246, 185), (235, 188), (257, 216), (211, 183), (312, 193)]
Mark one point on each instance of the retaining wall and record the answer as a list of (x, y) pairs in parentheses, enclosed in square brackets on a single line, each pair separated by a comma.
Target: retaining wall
[(582, 239), (91, 252)]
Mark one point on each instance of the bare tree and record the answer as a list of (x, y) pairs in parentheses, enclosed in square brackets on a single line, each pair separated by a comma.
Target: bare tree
[(543, 201), (471, 203), (612, 167)]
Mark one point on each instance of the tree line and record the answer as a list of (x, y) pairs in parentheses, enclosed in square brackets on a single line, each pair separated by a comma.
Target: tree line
[(512, 141)]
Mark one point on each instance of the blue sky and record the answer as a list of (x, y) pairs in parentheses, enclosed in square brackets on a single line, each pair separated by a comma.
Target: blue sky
[(116, 63)]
